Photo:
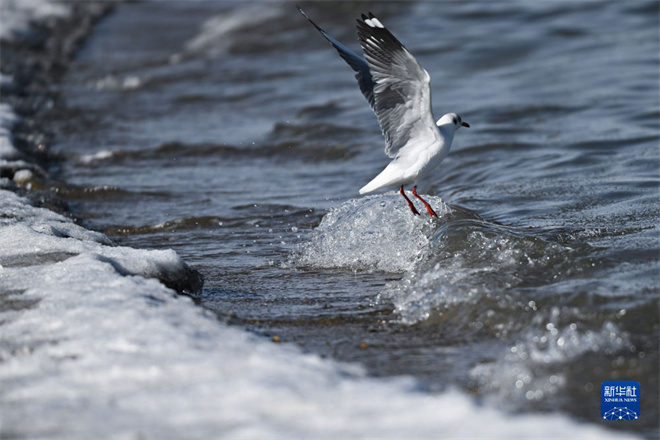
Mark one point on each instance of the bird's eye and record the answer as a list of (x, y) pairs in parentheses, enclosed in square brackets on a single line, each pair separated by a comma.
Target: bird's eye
[(454, 120)]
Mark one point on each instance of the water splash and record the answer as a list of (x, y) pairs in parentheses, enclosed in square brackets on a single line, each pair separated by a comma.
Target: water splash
[(458, 268), (532, 369), (473, 274), (372, 233)]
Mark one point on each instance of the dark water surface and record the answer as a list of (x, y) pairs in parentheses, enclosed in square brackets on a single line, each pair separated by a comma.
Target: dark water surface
[(232, 133)]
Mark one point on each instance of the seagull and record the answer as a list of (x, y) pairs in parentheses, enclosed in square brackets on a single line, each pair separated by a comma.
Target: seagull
[(398, 90)]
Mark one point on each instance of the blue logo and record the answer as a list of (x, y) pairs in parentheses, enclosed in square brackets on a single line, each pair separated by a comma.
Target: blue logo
[(619, 400)]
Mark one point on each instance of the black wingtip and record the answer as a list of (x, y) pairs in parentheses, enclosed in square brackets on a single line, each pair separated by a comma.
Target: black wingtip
[(371, 15), (310, 20)]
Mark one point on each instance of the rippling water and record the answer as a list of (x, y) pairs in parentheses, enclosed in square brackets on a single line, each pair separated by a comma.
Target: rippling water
[(233, 134)]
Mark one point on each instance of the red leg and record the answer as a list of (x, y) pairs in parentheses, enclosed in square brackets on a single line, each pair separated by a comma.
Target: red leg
[(428, 207), (412, 207)]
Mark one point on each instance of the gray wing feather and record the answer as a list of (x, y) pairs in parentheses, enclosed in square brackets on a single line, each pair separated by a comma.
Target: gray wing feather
[(402, 93)]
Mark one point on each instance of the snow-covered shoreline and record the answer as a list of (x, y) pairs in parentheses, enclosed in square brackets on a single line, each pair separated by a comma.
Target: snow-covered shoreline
[(94, 345)]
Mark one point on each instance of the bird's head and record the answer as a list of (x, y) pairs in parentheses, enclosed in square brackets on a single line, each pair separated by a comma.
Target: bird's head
[(452, 119)]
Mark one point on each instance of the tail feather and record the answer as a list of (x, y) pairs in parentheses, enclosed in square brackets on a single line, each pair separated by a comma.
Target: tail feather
[(369, 187), (380, 181)]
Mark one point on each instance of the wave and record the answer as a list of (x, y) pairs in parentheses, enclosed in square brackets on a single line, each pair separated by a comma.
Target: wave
[(276, 214), (286, 141), (524, 298), (231, 31), (458, 258)]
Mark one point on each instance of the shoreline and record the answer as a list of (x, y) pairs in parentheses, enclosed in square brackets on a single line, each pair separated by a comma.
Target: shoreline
[(31, 66)]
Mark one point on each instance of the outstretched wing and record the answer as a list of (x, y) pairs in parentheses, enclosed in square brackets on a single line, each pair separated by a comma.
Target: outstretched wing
[(402, 95), (357, 63)]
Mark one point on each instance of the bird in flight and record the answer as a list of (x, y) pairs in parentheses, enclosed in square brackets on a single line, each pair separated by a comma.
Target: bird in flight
[(398, 90)]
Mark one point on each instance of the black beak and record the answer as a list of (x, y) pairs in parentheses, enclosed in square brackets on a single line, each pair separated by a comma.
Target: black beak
[(465, 124)]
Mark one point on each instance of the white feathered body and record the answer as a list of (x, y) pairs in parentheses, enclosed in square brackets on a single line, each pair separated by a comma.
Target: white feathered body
[(414, 161)]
